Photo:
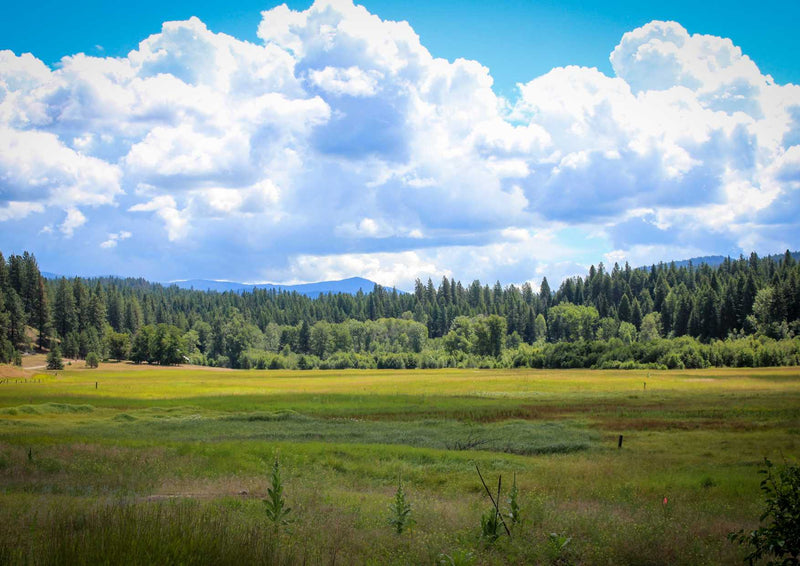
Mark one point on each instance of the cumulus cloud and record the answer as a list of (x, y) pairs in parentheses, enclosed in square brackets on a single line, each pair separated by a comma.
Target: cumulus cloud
[(37, 168), (115, 238), (75, 219), (351, 81), (338, 146), (166, 208)]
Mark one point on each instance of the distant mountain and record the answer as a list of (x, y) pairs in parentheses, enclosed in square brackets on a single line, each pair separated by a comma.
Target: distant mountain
[(715, 260), (352, 285), (348, 286), (48, 275)]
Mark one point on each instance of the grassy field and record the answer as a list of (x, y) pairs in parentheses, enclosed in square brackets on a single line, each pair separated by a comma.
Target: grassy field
[(125, 464)]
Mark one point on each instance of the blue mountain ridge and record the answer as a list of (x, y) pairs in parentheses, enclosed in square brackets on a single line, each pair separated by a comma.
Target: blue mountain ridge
[(716, 260), (348, 286), (353, 285)]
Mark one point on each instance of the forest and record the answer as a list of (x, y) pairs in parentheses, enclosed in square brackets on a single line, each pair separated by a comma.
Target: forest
[(744, 312)]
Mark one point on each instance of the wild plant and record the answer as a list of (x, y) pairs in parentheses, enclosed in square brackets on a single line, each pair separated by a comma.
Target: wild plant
[(492, 520), (559, 548), (780, 537), (400, 509), (513, 503), (490, 525), (275, 505), (457, 558)]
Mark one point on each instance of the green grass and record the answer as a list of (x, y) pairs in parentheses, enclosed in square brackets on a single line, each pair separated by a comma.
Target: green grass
[(152, 463)]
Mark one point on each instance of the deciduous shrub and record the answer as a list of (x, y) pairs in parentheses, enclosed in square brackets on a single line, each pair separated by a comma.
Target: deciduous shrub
[(778, 539)]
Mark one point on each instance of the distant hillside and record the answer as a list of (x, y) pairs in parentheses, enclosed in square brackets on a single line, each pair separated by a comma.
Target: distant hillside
[(349, 286), (49, 275), (353, 285), (715, 260)]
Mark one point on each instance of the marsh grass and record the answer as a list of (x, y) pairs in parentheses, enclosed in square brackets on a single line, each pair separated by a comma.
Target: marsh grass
[(182, 532), (151, 464)]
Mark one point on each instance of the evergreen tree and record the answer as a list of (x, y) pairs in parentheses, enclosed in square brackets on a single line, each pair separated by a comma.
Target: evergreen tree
[(545, 295), (54, 361), (636, 314), (304, 338), (42, 313), (97, 309), (624, 312), (65, 319), (16, 319)]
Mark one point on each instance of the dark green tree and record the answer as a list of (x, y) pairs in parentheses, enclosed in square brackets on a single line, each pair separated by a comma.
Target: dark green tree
[(54, 361)]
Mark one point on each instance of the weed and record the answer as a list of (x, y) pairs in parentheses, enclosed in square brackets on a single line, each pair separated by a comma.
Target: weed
[(457, 558), (400, 510), (707, 482), (490, 525), (275, 505), (513, 503), (491, 521), (559, 548)]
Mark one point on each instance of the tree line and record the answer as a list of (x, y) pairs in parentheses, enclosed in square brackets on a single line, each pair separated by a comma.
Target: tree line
[(607, 317)]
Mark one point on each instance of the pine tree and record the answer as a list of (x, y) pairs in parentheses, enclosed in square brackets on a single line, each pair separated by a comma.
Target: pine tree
[(42, 313), (545, 295), (16, 319), (54, 361), (624, 310), (636, 314), (304, 338), (65, 319)]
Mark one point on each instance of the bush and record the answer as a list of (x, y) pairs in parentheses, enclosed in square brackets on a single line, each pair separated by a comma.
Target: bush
[(92, 360), (780, 537)]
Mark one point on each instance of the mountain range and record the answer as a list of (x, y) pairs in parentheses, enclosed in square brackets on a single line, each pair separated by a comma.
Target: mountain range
[(350, 286), (353, 285)]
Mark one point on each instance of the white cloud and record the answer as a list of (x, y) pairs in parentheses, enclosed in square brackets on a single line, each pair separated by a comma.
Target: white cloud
[(12, 210), (74, 220), (340, 144), (662, 55), (37, 169), (115, 238), (351, 81), (167, 209)]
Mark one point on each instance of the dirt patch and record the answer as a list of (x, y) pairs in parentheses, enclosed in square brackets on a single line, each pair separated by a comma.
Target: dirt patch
[(30, 361), (13, 372)]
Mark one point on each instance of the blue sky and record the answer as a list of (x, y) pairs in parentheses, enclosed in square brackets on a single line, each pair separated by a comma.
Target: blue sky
[(517, 40), (503, 140)]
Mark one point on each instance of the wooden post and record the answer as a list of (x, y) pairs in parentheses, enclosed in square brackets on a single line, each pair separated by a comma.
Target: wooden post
[(619, 444), (95, 385)]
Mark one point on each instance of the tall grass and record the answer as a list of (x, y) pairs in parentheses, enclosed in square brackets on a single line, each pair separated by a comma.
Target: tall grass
[(182, 532), (147, 467)]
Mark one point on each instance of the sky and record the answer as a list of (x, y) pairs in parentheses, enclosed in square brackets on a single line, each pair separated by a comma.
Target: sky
[(494, 141)]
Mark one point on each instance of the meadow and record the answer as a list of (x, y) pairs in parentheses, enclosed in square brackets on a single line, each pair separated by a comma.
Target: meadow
[(136, 465)]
